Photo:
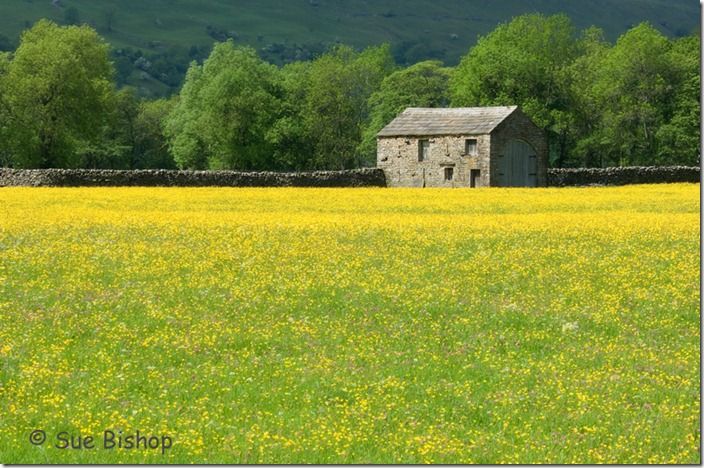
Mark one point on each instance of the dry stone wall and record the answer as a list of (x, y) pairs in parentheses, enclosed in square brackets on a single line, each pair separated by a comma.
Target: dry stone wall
[(166, 178), (622, 175), (351, 178)]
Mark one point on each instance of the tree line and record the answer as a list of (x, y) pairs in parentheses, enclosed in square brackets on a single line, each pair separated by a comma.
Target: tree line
[(634, 102)]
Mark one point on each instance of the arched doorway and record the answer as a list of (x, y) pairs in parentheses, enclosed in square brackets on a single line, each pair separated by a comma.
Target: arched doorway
[(517, 165)]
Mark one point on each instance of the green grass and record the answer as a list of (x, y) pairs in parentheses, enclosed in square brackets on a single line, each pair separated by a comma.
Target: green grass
[(353, 325)]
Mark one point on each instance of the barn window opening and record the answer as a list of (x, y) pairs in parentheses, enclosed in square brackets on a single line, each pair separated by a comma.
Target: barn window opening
[(474, 177), (423, 149), (470, 146), (449, 173)]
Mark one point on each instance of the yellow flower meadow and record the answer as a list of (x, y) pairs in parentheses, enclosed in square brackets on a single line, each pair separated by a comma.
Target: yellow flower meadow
[(350, 325)]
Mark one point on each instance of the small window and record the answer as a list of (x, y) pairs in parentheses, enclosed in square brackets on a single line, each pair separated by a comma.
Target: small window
[(423, 149), (449, 173), (470, 146)]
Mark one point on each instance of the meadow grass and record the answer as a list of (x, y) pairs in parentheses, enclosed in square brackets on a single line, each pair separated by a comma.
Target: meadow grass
[(352, 325)]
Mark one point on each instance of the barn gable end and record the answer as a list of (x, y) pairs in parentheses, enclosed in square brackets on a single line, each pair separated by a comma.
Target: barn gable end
[(518, 126)]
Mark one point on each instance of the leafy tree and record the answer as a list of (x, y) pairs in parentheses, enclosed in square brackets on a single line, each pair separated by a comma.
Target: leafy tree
[(187, 142), (58, 92), (4, 63), (324, 108), (151, 145), (336, 108), (115, 149), (636, 103), (410, 52), (425, 84), (5, 148), (520, 63), (678, 139), (134, 137), (636, 90), (588, 144), (226, 107), (292, 147), (631, 87)]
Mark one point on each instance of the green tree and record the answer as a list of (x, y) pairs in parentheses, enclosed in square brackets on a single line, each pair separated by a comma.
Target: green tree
[(589, 144), (124, 124), (134, 136), (5, 148), (225, 109), (632, 87), (678, 139), (115, 149), (292, 147), (336, 107), (187, 142), (636, 102), (152, 148), (425, 84), (59, 94), (520, 63)]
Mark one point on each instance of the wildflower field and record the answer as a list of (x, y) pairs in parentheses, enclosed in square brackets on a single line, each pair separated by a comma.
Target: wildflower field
[(351, 325)]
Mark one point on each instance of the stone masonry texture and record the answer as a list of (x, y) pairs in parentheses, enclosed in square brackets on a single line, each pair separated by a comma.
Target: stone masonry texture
[(351, 178), (623, 175), (398, 155), (167, 178)]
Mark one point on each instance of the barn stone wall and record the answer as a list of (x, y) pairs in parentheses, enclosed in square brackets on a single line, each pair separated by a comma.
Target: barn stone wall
[(166, 178), (519, 126), (398, 157)]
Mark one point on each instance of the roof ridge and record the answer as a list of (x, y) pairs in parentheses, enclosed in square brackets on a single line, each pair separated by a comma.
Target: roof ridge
[(461, 108)]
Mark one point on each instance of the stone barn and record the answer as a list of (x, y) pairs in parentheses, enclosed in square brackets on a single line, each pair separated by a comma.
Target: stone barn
[(463, 147)]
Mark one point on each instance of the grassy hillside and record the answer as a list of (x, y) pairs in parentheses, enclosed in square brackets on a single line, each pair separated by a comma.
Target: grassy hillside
[(285, 30)]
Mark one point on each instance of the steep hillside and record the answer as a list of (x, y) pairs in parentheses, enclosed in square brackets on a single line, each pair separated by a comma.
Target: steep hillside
[(285, 30)]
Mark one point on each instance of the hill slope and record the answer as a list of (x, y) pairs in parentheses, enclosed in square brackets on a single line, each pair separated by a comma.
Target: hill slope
[(285, 30)]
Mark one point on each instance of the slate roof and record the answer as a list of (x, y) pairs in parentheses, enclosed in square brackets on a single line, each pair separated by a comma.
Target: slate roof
[(424, 121)]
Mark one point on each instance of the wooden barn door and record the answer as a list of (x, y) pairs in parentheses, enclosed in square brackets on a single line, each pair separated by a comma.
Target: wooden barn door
[(517, 166)]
